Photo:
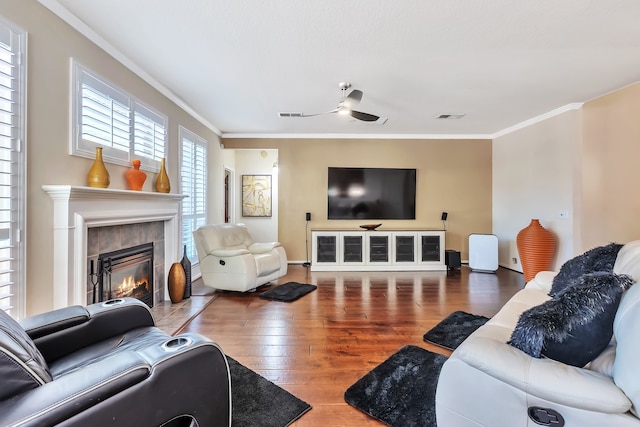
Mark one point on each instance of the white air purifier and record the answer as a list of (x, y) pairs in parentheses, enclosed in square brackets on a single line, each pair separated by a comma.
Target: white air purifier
[(483, 252)]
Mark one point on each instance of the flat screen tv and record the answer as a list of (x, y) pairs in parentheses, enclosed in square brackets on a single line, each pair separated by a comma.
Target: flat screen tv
[(371, 193)]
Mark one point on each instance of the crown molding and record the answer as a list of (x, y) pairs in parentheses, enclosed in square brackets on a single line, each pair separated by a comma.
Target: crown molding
[(542, 117), (351, 136), (76, 23)]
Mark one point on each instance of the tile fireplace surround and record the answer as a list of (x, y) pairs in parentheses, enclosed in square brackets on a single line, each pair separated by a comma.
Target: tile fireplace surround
[(77, 209)]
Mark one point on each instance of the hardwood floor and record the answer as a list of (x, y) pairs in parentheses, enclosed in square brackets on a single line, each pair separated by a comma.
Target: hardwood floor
[(319, 345)]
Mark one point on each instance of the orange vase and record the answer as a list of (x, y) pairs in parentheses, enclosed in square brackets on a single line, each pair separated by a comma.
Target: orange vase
[(537, 247), (135, 177), (98, 175)]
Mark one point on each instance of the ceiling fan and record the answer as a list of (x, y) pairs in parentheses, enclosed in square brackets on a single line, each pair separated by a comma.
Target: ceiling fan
[(345, 106)]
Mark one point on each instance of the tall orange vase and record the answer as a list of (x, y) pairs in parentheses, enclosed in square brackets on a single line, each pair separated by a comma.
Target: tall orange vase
[(537, 247)]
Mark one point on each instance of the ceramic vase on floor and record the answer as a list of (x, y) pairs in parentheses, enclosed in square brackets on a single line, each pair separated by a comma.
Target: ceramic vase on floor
[(537, 247), (186, 265), (135, 177), (176, 282), (98, 175)]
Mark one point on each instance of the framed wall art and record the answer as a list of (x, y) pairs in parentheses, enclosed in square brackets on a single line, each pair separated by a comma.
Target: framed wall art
[(256, 195)]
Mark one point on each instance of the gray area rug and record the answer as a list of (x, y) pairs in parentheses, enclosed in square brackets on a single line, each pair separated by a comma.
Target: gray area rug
[(288, 292), (454, 329), (257, 402), (401, 391)]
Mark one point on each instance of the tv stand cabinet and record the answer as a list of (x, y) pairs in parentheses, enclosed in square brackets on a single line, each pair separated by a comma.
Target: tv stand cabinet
[(393, 250)]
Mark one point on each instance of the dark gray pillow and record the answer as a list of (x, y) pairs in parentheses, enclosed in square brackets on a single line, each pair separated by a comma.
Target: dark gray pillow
[(601, 258), (576, 325)]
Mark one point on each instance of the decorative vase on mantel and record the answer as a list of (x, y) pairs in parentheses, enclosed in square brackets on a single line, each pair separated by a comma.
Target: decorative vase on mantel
[(176, 282), (162, 181), (135, 177), (98, 175), (537, 247), (186, 265)]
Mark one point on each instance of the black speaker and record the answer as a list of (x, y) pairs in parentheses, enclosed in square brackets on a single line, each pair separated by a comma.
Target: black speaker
[(452, 259), (444, 216), (308, 216)]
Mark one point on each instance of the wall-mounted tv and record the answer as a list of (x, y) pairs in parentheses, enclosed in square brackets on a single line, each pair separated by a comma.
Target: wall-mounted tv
[(371, 193)]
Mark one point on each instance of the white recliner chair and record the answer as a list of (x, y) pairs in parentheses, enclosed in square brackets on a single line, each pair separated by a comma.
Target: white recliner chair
[(230, 260)]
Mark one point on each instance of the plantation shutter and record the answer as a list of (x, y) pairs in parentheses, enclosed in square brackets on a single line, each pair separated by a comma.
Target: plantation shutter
[(12, 212), (149, 133), (105, 114), (193, 177)]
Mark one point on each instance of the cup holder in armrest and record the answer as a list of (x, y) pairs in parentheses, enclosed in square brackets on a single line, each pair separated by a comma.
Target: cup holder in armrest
[(177, 343), (113, 302)]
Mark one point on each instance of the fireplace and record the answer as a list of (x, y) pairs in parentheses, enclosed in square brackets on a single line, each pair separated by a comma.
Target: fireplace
[(124, 273), (78, 211)]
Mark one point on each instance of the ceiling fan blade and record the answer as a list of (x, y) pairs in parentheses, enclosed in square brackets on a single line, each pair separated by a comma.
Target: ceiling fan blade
[(365, 117), (335, 110), (352, 99)]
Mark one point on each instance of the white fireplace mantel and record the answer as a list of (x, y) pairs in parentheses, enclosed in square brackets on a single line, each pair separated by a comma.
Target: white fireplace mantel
[(76, 209)]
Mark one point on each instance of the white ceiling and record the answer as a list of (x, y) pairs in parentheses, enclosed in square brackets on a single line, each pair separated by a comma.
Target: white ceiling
[(237, 63)]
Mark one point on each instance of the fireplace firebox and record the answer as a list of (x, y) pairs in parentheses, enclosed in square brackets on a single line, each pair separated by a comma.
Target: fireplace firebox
[(125, 273)]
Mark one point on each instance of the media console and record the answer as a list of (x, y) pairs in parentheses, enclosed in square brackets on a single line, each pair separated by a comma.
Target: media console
[(393, 250)]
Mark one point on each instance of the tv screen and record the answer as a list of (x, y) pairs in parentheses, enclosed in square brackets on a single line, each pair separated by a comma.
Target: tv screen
[(371, 193)]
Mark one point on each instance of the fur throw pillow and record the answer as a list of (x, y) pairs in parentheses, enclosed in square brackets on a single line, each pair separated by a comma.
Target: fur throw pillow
[(575, 326), (601, 258)]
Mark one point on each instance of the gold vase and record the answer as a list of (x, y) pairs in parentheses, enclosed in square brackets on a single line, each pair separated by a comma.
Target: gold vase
[(176, 282), (162, 181), (98, 175)]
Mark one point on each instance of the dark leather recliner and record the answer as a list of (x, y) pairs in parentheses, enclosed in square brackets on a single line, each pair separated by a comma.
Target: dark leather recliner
[(108, 365)]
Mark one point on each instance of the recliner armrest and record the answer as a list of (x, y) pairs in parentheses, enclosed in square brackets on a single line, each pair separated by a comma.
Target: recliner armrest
[(229, 252), (544, 378), (105, 320), (54, 321), (70, 394), (260, 248)]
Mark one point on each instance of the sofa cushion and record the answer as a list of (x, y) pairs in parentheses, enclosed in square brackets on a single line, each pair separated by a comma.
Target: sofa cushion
[(576, 325), (628, 260), (626, 325), (601, 258)]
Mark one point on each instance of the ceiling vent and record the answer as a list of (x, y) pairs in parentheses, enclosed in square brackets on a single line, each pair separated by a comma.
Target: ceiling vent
[(450, 116), (290, 114)]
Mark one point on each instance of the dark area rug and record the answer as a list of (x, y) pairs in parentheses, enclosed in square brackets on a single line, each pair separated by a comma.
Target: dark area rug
[(257, 402), (288, 292), (401, 391), (454, 329)]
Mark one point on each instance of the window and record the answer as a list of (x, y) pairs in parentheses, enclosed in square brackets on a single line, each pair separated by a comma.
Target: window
[(107, 117), (193, 181), (12, 168)]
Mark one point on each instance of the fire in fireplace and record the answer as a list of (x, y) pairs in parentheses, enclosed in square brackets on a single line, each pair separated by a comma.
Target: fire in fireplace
[(125, 273)]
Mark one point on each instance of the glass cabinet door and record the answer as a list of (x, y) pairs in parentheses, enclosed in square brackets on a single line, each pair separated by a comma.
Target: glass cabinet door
[(405, 248), (327, 249), (352, 248), (379, 248)]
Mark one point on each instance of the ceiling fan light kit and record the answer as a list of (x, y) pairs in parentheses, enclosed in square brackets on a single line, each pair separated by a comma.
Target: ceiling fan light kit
[(345, 107)]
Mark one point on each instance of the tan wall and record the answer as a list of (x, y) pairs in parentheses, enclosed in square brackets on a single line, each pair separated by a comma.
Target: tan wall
[(51, 45), (533, 177), (452, 176), (609, 201)]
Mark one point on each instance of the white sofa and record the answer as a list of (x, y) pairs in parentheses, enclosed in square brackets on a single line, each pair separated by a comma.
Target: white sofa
[(487, 382), (230, 260)]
